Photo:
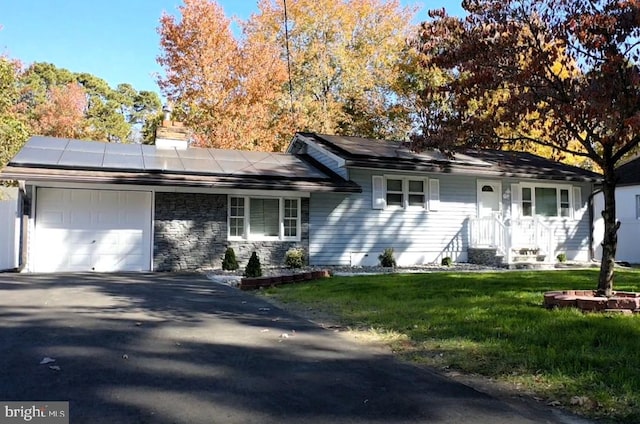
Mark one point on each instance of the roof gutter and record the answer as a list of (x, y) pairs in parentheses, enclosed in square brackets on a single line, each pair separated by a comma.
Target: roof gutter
[(160, 179)]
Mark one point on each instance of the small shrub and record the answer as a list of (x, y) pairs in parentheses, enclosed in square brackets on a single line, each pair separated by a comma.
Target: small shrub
[(387, 259), (446, 261), (229, 263), (253, 268), (294, 258), (562, 257)]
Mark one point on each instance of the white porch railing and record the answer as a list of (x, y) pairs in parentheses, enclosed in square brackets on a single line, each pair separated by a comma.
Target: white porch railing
[(510, 236)]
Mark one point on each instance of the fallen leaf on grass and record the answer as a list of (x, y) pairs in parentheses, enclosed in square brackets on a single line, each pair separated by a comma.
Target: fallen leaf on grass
[(47, 360), (54, 367), (579, 400)]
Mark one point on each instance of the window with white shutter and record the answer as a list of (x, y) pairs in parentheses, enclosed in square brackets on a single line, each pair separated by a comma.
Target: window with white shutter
[(434, 195), (378, 198)]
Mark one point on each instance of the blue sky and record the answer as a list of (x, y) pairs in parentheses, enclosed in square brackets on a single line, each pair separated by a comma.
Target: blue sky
[(114, 39)]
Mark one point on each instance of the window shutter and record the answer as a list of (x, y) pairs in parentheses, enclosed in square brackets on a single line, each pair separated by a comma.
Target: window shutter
[(378, 200), (577, 201), (434, 195), (516, 201)]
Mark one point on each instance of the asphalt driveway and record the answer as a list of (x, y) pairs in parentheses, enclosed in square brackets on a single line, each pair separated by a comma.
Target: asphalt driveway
[(178, 348)]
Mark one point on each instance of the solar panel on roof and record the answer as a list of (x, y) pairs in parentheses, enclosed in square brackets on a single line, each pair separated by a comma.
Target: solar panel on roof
[(30, 155), (155, 163), (255, 156), (152, 151), (83, 146), (80, 159), (227, 155), (48, 142), (123, 161), (202, 166), (123, 149), (233, 167), (194, 153), (88, 155)]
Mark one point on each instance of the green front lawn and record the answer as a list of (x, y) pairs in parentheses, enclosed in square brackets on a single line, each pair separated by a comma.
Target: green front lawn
[(493, 324)]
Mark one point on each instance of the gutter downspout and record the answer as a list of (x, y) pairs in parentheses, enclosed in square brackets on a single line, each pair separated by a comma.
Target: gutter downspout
[(22, 258), (592, 253)]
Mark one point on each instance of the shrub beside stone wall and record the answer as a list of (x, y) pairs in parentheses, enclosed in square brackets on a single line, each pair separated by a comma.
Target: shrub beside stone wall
[(190, 233)]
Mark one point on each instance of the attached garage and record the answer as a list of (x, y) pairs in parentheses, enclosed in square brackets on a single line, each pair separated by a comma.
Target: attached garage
[(110, 207), (91, 230)]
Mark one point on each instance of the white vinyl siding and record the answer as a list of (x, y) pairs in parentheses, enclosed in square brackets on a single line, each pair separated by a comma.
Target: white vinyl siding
[(264, 218), (346, 230), (628, 215)]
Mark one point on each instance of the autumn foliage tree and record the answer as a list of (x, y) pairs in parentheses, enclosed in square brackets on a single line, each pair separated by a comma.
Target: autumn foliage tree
[(46, 100), (566, 68), (344, 58), (14, 129), (227, 91), (62, 114)]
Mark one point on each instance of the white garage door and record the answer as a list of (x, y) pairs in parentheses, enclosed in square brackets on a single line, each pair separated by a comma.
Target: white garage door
[(91, 230)]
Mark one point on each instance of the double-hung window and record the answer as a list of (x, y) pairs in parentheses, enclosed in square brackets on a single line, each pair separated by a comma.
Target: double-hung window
[(236, 216), (395, 192), (405, 192), (264, 218)]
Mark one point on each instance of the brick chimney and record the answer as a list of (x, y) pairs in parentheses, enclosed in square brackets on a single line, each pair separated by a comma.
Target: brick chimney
[(171, 134)]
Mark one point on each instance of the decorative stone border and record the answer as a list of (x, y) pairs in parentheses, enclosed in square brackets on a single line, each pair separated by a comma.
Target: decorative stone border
[(587, 301), (279, 280)]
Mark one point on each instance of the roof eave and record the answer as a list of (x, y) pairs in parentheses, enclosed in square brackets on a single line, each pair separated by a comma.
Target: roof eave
[(165, 179), (460, 169)]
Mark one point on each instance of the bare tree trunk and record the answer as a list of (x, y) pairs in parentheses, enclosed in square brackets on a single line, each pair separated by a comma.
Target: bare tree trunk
[(610, 241)]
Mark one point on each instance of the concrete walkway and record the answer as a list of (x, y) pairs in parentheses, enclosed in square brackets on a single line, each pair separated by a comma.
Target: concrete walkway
[(172, 348)]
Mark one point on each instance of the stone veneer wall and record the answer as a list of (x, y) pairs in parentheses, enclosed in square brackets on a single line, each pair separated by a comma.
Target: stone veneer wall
[(483, 256), (190, 232)]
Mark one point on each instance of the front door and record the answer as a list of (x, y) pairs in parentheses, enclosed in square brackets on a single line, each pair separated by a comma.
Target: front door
[(489, 198)]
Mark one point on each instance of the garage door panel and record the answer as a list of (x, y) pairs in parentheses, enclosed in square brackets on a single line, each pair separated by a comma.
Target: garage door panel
[(85, 230), (53, 218)]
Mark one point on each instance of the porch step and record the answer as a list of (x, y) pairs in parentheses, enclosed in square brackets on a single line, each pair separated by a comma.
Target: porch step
[(530, 265)]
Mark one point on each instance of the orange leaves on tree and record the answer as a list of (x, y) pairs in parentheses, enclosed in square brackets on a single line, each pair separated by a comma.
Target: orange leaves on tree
[(223, 89), (235, 92), (63, 113)]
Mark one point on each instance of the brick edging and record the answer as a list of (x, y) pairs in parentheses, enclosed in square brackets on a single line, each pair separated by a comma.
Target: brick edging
[(248, 283)]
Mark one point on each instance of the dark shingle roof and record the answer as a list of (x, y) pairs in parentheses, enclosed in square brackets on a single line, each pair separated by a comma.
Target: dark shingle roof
[(52, 159), (629, 173), (371, 153)]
